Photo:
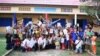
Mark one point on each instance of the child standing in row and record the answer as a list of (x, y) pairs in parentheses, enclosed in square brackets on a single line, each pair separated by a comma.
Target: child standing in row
[(78, 44), (93, 40)]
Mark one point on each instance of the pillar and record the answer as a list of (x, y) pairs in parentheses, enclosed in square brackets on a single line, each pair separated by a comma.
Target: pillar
[(75, 19)]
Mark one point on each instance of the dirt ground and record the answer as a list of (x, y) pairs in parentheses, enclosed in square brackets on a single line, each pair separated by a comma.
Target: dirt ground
[(47, 53)]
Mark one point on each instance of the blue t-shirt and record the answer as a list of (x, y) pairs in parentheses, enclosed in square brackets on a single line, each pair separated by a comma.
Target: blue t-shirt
[(74, 36), (81, 33)]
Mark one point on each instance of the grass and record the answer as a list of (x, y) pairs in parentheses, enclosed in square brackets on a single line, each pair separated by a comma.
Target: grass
[(98, 47), (2, 45)]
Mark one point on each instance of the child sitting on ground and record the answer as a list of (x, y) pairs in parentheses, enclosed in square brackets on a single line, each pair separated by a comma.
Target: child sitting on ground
[(17, 42), (57, 42), (26, 44), (42, 42), (78, 44)]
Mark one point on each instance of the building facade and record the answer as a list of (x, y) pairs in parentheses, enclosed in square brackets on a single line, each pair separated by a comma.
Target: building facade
[(31, 10)]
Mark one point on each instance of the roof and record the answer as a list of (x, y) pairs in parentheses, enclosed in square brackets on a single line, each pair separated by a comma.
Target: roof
[(43, 2)]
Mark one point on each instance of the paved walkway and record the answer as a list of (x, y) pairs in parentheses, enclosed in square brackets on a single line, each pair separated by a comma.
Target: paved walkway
[(47, 53)]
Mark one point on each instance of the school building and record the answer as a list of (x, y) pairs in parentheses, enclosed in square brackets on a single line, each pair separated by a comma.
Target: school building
[(31, 10)]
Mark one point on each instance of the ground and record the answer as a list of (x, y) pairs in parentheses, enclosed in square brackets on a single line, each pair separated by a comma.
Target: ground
[(47, 53)]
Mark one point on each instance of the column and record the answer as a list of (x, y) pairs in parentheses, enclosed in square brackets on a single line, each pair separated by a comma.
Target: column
[(75, 19)]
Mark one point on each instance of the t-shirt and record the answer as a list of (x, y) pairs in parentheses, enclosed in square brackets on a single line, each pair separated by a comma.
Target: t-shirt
[(32, 42), (50, 40), (44, 42), (62, 40), (78, 43), (64, 31), (25, 43), (40, 41), (74, 36), (67, 36)]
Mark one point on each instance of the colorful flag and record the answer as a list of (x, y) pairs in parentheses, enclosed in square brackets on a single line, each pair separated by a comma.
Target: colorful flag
[(46, 16), (51, 23)]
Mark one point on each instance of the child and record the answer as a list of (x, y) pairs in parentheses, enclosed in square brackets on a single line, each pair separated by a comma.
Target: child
[(57, 42), (74, 37), (66, 35), (17, 42), (33, 43), (62, 43), (25, 44), (78, 44), (93, 39), (8, 41), (51, 42), (42, 42)]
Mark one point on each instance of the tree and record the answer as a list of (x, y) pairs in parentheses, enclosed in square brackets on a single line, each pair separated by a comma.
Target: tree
[(92, 8)]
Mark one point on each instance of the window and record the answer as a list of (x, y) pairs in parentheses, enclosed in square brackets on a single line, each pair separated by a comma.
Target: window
[(5, 8), (5, 21), (66, 10), (24, 8)]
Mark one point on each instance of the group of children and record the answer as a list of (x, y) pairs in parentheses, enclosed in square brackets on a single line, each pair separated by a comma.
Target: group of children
[(41, 37)]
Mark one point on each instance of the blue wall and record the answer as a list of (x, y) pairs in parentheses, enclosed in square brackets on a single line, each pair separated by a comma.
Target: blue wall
[(5, 21), (26, 20), (82, 22)]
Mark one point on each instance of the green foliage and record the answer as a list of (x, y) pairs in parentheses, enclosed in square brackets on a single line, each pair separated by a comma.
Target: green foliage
[(89, 10), (92, 10)]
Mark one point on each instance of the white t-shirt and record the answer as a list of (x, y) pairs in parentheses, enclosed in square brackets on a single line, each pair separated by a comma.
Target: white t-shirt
[(79, 44), (67, 36), (25, 43), (32, 43), (50, 40), (65, 31), (44, 42), (40, 41), (62, 40)]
